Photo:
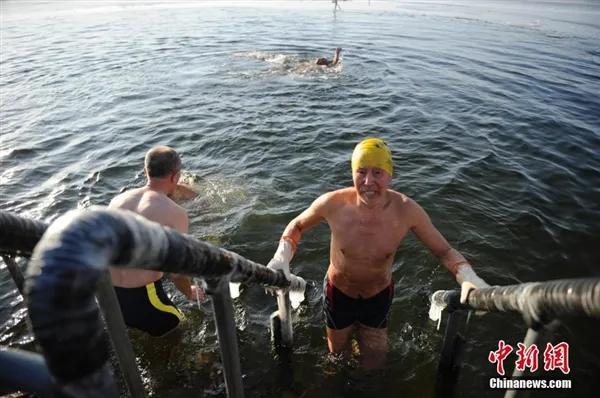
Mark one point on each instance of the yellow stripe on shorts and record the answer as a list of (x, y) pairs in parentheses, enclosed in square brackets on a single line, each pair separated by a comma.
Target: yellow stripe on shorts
[(159, 305)]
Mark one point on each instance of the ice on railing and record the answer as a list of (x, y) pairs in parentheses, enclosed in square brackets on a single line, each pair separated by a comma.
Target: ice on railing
[(234, 290), (435, 312), (296, 291), (297, 295)]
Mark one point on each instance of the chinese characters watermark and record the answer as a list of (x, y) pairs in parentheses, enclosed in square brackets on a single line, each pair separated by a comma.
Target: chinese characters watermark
[(554, 356)]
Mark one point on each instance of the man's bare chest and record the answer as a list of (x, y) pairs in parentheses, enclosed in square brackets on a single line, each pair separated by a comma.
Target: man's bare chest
[(365, 236)]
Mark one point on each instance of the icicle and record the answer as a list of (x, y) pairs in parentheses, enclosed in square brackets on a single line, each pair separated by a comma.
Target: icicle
[(234, 290), (197, 288)]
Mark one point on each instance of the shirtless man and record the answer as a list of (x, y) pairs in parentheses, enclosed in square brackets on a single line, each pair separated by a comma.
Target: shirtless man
[(325, 62), (368, 222), (144, 303)]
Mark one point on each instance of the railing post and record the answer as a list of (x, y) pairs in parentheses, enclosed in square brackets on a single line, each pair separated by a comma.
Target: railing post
[(226, 333), (24, 371), (15, 272), (111, 311), (284, 308), (537, 334), (282, 338), (449, 365)]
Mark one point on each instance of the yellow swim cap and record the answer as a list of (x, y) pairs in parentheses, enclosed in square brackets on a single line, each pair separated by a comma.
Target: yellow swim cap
[(373, 152)]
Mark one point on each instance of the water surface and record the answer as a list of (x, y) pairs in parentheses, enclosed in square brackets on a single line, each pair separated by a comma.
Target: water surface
[(491, 109)]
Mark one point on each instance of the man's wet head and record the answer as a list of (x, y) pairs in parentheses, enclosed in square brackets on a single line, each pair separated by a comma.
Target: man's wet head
[(163, 166), (372, 170)]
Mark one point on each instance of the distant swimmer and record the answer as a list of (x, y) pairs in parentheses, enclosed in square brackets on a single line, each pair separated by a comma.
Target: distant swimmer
[(143, 301), (325, 62)]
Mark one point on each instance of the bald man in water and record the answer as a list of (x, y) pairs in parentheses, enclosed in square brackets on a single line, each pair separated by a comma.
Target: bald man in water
[(144, 303), (368, 221)]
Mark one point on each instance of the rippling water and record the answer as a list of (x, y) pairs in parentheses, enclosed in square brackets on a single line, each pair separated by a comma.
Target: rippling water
[(492, 110)]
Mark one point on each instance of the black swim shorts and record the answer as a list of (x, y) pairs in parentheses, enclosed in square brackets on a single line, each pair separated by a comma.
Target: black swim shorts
[(149, 309), (341, 311)]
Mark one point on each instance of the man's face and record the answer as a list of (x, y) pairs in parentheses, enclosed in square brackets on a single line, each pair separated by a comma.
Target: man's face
[(371, 184)]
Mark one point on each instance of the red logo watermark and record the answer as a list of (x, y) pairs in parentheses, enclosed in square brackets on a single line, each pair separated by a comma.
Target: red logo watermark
[(555, 357)]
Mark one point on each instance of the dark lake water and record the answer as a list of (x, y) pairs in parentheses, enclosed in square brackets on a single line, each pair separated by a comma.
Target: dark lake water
[(491, 108)]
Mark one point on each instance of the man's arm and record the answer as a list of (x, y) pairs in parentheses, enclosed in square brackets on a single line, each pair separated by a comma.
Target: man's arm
[(182, 282), (288, 244), (439, 247), (336, 57), (308, 219), (185, 192)]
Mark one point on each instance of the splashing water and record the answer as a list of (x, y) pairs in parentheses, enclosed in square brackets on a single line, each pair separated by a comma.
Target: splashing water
[(293, 65), (282, 59)]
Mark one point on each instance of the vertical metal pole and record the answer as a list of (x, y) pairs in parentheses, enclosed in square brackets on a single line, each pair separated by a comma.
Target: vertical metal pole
[(275, 329), (535, 335), (283, 353), (447, 372), (285, 317), (15, 272), (24, 371), (226, 332), (111, 311)]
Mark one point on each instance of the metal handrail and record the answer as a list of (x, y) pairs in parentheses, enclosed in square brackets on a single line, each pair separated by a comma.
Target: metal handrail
[(536, 301), (72, 258), (540, 304), (19, 235)]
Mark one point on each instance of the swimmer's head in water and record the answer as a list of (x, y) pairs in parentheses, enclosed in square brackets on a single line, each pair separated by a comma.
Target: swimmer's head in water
[(162, 165), (372, 152)]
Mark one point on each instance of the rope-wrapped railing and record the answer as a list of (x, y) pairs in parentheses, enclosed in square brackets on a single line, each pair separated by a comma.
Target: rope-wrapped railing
[(537, 301), (540, 304), (18, 235), (72, 256)]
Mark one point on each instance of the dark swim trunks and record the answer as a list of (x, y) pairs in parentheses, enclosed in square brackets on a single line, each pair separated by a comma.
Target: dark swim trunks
[(149, 309), (342, 311)]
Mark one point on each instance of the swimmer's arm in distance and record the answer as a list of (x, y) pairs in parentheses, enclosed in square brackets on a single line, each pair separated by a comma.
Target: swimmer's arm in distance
[(183, 282), (325, 62), (336, 57), (439, 247)]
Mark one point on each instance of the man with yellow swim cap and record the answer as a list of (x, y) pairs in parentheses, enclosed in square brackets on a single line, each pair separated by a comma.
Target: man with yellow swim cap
[(368, 221)]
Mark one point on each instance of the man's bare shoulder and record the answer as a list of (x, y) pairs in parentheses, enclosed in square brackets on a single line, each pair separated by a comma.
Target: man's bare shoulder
[(336, 197), (329, 202), (410, 209), (403, 201), (121, 200), (178, 210), (165, 204)]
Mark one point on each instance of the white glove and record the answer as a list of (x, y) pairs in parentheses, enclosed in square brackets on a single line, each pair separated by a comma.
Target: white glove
[(281, 259), (466, 274), (468, 280)]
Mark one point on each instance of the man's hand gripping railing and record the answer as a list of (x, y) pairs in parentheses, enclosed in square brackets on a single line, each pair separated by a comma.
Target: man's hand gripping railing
[(538, 302)]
